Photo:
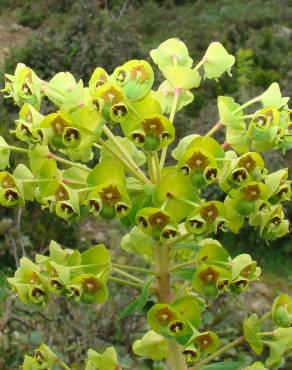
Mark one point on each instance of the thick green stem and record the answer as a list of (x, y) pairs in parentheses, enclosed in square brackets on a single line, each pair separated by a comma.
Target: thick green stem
[(216, 354), (175, 359)]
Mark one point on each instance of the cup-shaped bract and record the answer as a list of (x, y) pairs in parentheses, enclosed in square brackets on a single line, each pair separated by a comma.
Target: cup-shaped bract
[(92, 288), (201, 344), (110, 101), (199, 161), (4, 154), (174, 191), (251, 328), (275, 226), (136, 78), (282, 311), (151, 345), (171, 52), (157, 223), (211, 217), (98, 78), (161, 315), (11, 190), (24, 86), (244, 199), (165, 95), (279, 185), (66, 202), (108, 360), (211, 251), (211, 280), (244, 266), (217, 61)]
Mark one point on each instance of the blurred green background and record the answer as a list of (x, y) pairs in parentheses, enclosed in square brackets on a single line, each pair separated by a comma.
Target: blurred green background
[(78, 35)]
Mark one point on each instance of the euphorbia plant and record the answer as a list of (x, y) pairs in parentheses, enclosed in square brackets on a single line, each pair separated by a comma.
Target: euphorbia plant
[(170, 223)]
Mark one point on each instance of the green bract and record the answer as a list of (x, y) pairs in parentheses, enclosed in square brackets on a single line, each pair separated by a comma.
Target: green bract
[(102, 149), (81, 276), (217, 61), (152, 346)]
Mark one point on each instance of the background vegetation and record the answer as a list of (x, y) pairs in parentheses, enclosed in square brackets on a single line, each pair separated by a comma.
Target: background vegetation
[(78, 35)]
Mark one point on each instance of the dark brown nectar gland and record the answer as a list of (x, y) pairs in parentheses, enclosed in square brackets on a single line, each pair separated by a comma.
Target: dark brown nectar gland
[(196, 224), (122, 76), (222, 285), (11, 195), (276, 220), (190, 353), (120, 110), (209, 276), (66, 208), (209, 213), (185, 169), (26, 89), (94, 205), (176, 326), (282, 192), (211, 174), (169, 233), (164, 316), (101, 80), (110, 195), (138, 137), (25, 130), (252, 192), (56, 284), (261, 121), (139, 73), (75, 291), (143, 222), (71, 134), (239, 175), (153, 126), (198, 161), (37, 293), (122, 208), (159, 220), (90, 285), (40, 357)]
